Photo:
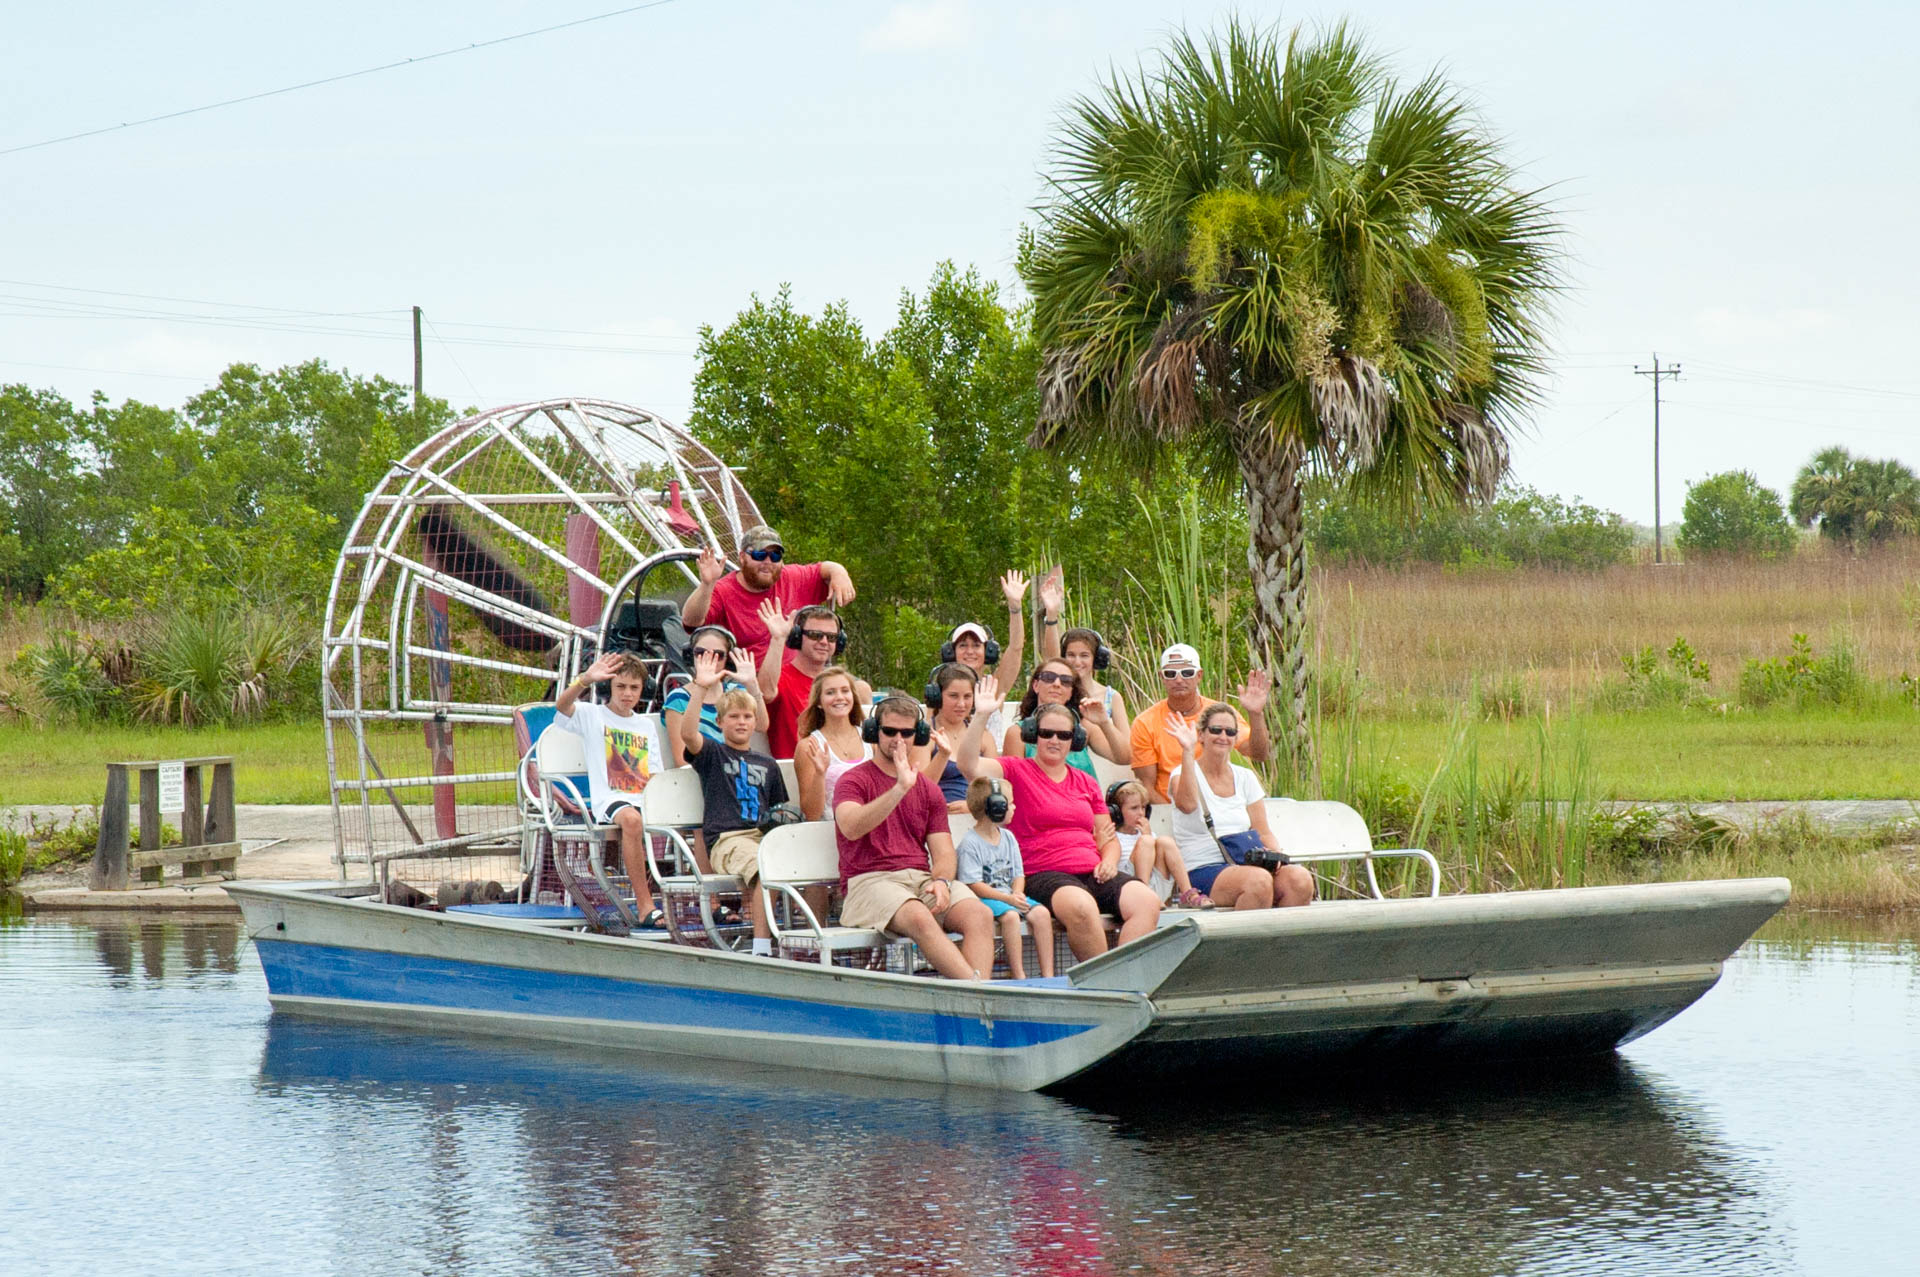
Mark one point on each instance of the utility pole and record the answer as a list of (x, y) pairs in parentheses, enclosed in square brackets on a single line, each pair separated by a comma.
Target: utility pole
[(416, 366), (1656, 372)]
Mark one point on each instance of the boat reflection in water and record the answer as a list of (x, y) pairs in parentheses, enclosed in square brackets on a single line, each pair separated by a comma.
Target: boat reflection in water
[(460, 1154)]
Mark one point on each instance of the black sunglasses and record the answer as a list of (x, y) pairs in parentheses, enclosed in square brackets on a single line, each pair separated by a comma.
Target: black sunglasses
[(1222, 731), (815, 636), (774, 553), (896, 731), (1052, 676), (1054, 733)]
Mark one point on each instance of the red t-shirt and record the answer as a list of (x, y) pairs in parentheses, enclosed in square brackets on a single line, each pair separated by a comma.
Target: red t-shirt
[(738, 608), (1053, 821), (783, 713), (900, 841)]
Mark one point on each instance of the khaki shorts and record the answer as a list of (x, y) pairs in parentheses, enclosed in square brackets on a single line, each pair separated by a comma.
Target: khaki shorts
[(736, 853), (873, 898)]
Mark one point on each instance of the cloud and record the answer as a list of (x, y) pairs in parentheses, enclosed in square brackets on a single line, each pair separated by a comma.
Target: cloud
[(919, 27), (1736, 327)]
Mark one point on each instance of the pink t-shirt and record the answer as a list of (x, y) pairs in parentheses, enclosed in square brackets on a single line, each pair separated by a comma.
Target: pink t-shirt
[(900, 841), (738, 608), (1053, 821)]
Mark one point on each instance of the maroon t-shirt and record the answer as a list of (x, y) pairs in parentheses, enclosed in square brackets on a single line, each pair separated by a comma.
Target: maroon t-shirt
[(900, 841), (783, 712), (738, 608)]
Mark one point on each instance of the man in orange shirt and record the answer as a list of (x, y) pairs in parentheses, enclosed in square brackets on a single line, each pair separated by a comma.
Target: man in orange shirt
[(1156, 753)]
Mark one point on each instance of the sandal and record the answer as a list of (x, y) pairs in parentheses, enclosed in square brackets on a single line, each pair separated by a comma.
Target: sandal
[(1193, 898), (654, 921), (725, 916)]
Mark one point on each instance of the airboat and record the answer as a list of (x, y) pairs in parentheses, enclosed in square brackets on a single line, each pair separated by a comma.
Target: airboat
[(500, 556)]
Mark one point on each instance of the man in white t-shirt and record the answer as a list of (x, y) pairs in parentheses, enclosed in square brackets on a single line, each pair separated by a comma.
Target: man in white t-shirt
[(622, 754)]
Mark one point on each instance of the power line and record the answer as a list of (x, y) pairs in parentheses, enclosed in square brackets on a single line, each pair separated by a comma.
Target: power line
[(334, 79)]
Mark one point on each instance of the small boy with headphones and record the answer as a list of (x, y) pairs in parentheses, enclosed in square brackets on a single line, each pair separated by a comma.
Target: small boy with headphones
[(989, 863), (1156, 861)]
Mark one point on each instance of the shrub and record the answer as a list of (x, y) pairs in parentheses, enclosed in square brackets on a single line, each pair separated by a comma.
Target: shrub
[(65, 674), (1802, 678), (211, 666), (1520, 527), (1678, 682), (1730, 513)]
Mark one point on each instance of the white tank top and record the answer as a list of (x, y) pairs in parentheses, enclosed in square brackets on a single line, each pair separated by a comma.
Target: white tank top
[(836, 765)]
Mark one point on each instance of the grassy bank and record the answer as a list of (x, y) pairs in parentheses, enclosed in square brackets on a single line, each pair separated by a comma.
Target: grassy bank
[(273, 762), (1677, 755)]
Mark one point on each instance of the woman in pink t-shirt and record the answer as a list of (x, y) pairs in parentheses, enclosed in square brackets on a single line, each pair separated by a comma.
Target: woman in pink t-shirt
[(1067, 840)]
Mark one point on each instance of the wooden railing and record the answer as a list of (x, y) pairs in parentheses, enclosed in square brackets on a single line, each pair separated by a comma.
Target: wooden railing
[(209, 842)]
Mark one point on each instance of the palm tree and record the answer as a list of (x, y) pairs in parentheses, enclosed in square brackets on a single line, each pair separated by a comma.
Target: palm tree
[(1856, 500), (1277, 257)]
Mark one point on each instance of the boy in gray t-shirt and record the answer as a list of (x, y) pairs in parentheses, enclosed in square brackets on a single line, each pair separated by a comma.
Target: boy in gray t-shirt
[(989, 863)]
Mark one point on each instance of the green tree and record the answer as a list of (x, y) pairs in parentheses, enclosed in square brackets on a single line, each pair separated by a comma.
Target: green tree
[(905, 458), (1730, 513), (1856, 500), (242, 497), (48, 488), (1268, 254)]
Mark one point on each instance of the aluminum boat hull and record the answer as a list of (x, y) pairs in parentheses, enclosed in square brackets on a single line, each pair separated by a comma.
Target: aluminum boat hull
[(1507, 976)]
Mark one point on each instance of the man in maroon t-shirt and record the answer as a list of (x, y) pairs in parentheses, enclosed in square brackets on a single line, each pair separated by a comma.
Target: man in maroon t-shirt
[(787, 683), (896, 854), (733, 599)]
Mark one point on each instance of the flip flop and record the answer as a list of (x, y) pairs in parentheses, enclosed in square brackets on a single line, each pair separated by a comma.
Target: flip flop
[(655, 921)]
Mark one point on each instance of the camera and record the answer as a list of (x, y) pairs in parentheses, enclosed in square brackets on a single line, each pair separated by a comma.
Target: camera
[(1261, 858)]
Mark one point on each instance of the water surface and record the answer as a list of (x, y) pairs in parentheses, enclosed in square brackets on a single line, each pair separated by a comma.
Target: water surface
[(162, 1121)]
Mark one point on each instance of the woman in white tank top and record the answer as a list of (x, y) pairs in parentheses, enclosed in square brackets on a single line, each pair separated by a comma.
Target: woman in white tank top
[(830, 744)]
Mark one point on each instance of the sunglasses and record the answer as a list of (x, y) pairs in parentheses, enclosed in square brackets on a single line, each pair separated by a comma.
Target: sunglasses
[(896, 731), (720, 652), (1054, 733), (816, 636), (1223, 731), (1052, 676), (774, 552), (1172, 674)]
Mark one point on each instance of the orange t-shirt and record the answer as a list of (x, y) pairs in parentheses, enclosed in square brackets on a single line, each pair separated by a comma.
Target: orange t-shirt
[(1155, 747)]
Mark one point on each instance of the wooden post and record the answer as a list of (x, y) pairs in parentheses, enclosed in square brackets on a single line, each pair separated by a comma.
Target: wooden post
[(193, 817), (221, 826), (150, 808), (109, 869)]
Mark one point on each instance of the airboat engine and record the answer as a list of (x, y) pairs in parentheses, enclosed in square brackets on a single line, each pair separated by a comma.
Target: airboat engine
[(487, 569)]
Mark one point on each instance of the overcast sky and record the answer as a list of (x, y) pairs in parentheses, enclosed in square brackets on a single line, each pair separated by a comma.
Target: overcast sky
[(1738, 183)]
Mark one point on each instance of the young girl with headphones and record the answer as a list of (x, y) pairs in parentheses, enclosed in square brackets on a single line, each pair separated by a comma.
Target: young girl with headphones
[(988, 857), (1155, 861), (949, 697)]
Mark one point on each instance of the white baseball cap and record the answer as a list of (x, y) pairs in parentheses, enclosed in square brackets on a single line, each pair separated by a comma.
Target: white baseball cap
[(1180, 654), (970, 627)]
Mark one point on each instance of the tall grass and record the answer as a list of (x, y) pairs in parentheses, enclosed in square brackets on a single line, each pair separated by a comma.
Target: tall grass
[(1428, 636)]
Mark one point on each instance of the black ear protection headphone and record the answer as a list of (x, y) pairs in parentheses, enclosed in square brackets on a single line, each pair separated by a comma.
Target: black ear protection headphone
[(996, 802), (721, 630), (1113, 802), (1102, 654), (1030, 728), (993, 650), (931, 693), (870, 728), (839, 637)]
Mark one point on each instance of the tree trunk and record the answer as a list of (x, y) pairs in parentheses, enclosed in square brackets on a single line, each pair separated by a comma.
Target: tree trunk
[(1277, 559)]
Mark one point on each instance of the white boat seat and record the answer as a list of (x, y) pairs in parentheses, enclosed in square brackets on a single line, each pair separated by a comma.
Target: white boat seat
[(1316, 832), (793, 858), (554, 778)]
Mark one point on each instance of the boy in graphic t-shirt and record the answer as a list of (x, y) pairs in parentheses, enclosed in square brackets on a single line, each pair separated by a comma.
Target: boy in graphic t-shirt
[(740, 787), (621, 758)]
